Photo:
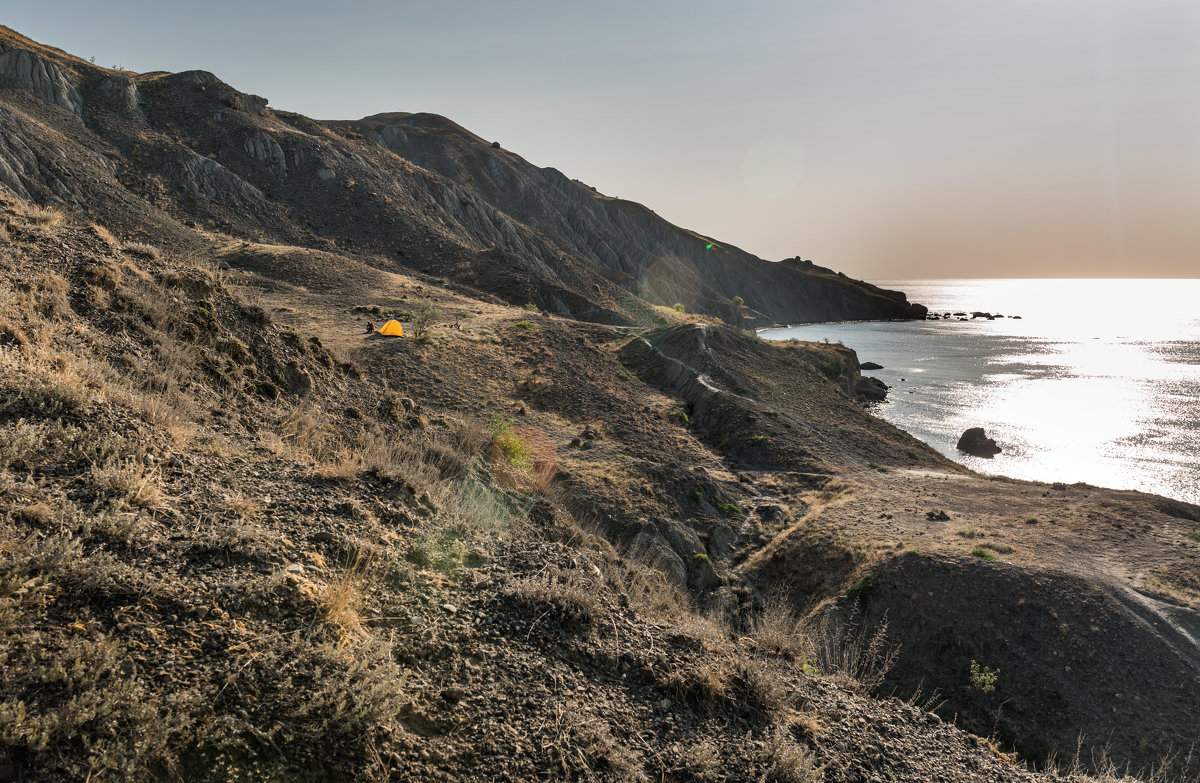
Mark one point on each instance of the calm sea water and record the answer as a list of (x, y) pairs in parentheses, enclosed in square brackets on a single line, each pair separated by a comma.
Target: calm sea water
[(1099, 381)]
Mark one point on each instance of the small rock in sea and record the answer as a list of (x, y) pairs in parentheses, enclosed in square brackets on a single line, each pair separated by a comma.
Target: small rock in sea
[(976, 442), (870, 366)]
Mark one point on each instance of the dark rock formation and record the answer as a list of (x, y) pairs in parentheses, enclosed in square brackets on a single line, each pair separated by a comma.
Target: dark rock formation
[(870, 388), (976, 443), (870, 366)]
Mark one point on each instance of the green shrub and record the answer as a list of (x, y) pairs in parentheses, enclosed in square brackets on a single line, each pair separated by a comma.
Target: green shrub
[(982, 679), (531, 307), (511, 445), (678, 307), (731, 510), (982, 553), (833, 367), (527, 326)]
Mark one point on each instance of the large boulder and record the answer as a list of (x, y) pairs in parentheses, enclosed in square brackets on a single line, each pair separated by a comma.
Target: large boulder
[(976, 443), (870, 388)]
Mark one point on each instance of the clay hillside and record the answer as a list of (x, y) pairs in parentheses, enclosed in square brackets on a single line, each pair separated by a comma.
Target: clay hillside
[(559, 530)]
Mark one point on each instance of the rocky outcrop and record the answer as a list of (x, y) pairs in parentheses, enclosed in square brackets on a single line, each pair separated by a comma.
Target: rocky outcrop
[(976, 443), (41, 78)]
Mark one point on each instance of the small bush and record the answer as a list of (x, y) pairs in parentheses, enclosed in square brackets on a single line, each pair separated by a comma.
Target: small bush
[(531, 307), (510, 444), (527, 326), (678, 307), (983, 554), (982, 679)]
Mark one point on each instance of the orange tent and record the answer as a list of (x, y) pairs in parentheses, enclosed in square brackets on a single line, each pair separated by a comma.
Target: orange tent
[(392, 329)]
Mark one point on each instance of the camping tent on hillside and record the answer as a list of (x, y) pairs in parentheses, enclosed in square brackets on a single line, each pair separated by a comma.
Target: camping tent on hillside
[(392, 329)]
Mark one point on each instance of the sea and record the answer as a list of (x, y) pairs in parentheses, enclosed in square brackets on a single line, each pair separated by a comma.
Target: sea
[(1097, 381)]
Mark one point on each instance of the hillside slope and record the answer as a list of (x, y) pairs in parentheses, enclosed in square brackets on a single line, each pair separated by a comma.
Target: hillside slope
[(415, 192), (244, 536)]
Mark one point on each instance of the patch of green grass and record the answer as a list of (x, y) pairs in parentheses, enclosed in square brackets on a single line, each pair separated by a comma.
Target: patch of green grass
[(680, 417), (678, 307), (864, 587), (757, 440), (698, 496), (1193, 534), (912, 454), (879, 468), (700, 557), (531, 307), (983, 554), (527, 326), (624, 374)]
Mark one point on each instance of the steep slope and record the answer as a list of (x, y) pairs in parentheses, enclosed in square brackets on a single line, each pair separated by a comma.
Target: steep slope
[(189, 149), (656, 260)]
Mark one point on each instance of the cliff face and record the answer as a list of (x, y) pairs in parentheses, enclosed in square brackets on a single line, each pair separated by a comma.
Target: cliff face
[(406, 191)]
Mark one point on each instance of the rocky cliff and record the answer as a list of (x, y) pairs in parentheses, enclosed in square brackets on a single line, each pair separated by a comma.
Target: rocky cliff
[(186, 151)]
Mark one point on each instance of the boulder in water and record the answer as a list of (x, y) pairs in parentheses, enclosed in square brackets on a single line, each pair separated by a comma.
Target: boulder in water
[(976, 443), (870, 366)]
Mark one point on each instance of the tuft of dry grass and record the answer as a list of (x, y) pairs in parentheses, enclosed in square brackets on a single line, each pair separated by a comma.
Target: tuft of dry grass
[(45, 218), (342, 601), (779, 631), (567, 596), (705, 683), (131, 480), (104, 235), (787, 761), (851, 653), (12, 335), (142, 250)]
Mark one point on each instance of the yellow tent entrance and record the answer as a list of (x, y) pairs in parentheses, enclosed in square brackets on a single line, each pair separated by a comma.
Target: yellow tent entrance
[(392, 329)]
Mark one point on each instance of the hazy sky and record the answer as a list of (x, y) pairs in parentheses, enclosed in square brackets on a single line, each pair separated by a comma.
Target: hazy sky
[(924, 138)]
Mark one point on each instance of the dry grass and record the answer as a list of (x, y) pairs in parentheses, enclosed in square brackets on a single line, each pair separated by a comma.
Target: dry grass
[(851, 653), (778, 630), (565, 596), (342, 601), (788, 762), (130, 479), (45, 218), (706, 683), (244, 508), (104, 235), (142, 250)]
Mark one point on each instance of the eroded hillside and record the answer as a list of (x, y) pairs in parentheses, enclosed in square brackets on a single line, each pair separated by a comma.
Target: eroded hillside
[(244, 536)]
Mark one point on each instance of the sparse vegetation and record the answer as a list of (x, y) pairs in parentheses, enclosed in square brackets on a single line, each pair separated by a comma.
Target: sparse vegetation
[(982, 679), (983, 554), (526, 326)]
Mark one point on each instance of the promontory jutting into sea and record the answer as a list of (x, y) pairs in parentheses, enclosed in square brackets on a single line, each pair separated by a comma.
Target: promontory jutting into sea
[(1097, 381)]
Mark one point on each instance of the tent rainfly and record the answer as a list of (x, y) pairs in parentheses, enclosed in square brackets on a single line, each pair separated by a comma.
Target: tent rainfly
[(392, 329)]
